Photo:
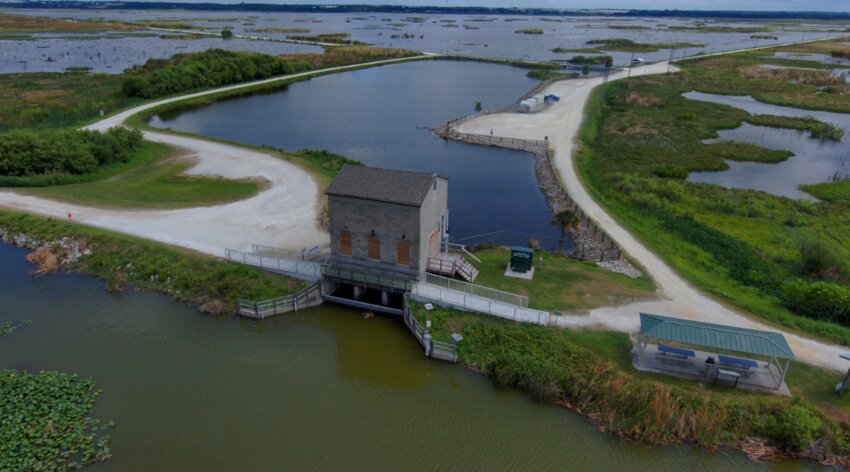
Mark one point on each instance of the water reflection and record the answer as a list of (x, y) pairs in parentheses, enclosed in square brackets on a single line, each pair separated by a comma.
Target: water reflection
[(814, 161)]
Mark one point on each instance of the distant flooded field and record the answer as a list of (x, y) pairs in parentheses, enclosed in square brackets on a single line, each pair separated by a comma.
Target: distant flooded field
[(479, 36)]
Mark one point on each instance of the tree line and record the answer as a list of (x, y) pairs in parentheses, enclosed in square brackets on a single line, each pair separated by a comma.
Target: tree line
[(25, 153), (208, 69)]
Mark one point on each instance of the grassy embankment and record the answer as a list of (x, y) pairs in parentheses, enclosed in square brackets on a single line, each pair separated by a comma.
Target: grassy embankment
[(775, 257), (625, 45), (562, 284), (124, 260), (591, 372), (153, 179)]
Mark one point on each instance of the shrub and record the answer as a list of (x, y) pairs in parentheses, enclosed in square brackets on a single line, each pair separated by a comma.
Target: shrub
[(670, 172), (820, 300), (794, 427), (211, 68), (25, 153)]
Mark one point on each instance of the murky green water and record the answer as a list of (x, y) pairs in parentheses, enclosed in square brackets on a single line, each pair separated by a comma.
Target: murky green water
[(324, 390)]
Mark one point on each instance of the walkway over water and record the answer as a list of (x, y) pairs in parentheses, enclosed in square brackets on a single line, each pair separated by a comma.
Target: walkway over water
[(440, 290)]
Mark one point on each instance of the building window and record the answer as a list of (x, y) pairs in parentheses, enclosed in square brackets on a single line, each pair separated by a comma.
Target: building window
[(402, 253), (345, 243), (374, 248)]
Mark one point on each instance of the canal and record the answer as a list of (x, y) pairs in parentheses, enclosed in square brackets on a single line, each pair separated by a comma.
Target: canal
[(326, 389), (382, 116)]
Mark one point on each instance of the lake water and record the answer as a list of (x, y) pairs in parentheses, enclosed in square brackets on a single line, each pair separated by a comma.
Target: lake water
[(112, 52), (489, 37), (323, 390), (814, 161), (381, 116)]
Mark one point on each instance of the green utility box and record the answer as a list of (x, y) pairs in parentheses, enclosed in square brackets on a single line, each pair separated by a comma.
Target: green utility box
[(522, 259)]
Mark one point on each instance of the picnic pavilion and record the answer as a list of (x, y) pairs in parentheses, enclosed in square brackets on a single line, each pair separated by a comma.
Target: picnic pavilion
[(744, 358)]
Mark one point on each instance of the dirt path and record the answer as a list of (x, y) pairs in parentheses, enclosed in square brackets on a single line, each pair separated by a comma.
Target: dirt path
[(285, 214), (560, 123)]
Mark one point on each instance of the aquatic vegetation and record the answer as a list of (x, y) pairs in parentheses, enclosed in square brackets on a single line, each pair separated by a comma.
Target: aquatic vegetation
[(279, 30), (9, 327), (46, 422), (530, 31), (335, 38), (830, 191), (621, 44), (25, 23)]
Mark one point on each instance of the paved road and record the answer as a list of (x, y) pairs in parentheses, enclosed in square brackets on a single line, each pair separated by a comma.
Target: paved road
[(285, 214), (561, 123)]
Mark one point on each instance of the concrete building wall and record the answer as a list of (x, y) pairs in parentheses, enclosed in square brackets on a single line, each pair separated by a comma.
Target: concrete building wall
[(433, 216), (391, 223)]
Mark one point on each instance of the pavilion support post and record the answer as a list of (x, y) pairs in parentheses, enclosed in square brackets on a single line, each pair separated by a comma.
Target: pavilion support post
[(641, 348), (784, 372)]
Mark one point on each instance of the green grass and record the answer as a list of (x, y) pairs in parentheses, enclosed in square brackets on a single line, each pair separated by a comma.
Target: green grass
[(124, 260), (739, 245), (591, 372), (562, 284), (56, 100), (830, 191), (152, 179)]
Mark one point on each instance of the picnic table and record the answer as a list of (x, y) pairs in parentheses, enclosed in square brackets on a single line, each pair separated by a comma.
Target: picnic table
[(675, 355), (741, 365)]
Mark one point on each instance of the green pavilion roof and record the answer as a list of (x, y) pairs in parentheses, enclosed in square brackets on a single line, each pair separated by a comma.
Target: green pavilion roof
[(729, 338)]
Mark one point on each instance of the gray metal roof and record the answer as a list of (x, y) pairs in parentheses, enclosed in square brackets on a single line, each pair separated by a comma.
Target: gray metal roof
[(385, 185), (729, 338)]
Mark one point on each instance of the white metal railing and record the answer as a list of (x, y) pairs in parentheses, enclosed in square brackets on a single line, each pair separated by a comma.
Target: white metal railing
[(461, 249), (303, 254), (309, 296), (488, 306), (477, 290), (292, 266)]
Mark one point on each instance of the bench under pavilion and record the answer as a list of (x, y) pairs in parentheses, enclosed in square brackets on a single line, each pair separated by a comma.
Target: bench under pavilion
[(745, 358)]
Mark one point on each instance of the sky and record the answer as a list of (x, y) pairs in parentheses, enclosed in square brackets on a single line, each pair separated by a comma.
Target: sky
[(759, 5)]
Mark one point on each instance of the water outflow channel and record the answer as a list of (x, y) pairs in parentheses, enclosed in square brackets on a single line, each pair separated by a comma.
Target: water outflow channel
[(323, 390), (381, 116)]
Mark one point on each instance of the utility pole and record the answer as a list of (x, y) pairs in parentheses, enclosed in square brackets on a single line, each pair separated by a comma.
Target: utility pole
[(604, 81), (669, 61)]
